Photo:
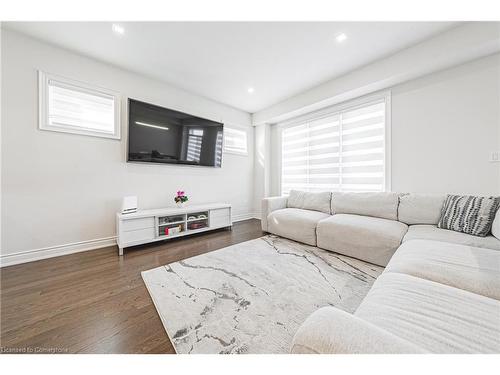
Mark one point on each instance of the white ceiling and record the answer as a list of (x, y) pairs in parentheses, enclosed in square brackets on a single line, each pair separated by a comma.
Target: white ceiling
[(221, 60)]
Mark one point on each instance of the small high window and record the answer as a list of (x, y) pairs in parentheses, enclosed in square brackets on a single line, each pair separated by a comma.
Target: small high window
[(73, 107)]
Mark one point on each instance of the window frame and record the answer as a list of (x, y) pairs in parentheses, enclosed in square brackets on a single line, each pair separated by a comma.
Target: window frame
[(352, 104), (237, 128), (43, 102)]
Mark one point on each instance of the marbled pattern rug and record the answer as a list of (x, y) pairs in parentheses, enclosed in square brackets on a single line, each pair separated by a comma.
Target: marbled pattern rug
[(252, 297)]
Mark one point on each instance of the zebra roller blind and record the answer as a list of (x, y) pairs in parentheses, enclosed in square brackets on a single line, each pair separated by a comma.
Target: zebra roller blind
[(79, 108), (341, 151)]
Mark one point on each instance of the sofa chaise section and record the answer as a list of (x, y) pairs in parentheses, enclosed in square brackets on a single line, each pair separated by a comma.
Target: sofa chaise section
[(405, 314), (433, 316), (333, 331), (474, 269)]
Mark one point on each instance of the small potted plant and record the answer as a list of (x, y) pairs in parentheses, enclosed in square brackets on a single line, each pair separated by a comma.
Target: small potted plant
[(180, 198)]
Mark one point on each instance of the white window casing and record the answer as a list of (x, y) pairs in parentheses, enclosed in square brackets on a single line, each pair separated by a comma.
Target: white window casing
[(70, 106)]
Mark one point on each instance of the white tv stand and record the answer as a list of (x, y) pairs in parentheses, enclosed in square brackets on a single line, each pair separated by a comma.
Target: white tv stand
[(146, 226)]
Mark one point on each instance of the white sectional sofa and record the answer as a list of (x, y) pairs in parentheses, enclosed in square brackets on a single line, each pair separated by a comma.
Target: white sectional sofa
[(439, 292)]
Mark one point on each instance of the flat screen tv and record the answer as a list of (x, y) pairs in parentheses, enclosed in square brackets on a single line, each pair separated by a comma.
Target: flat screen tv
[(161, 135)]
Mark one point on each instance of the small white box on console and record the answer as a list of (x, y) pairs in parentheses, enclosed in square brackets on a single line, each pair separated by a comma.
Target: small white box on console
[(129, 204)]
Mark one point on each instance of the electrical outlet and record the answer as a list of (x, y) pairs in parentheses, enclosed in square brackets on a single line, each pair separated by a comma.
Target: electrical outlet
[(495, 157)]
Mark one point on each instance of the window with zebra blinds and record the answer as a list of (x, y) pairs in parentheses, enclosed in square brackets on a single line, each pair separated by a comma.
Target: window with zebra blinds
[(340, 150)]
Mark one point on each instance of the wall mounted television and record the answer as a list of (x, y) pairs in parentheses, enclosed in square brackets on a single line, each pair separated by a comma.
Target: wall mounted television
[(164, 136)]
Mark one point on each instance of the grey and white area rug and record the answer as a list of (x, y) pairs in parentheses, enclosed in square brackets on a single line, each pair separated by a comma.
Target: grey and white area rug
[(253, 296)]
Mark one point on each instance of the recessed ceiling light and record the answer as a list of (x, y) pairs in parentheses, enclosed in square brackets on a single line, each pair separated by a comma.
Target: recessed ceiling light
[(251, 90), (341, 37), (117, 29)]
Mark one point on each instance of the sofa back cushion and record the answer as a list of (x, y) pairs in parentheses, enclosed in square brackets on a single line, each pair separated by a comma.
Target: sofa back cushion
[(310, 201), (383, 205), (420, 208), (469, 214)]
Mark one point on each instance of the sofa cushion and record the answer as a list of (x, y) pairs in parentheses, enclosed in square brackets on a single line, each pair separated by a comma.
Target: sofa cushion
[(469, 214), (295, 223), (310, 201), (432, 232), (495, 227), (470, 268), (371, 239), (420, 208), (433, 316), (383, 205)]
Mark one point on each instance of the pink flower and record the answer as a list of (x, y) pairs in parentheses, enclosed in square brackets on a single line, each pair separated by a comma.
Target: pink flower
[(180, 193)]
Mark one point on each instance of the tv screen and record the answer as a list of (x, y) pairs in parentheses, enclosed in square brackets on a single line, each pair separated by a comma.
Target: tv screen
[(161, 135)]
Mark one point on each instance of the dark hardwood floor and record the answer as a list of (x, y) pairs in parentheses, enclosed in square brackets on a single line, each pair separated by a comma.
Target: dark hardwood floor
[(96, 301)]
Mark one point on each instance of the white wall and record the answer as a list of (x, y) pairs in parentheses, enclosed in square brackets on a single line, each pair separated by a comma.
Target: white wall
[(444, 127), (60, 188)]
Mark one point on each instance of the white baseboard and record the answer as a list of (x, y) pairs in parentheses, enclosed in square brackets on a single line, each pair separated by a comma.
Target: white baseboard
[(77, 247), (55, 251), (250, 215)]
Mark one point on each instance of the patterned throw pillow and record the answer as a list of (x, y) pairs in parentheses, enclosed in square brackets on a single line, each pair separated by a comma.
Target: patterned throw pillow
[(469, 214)]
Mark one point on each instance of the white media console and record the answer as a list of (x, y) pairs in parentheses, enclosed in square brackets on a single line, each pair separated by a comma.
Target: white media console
[(146, 226)]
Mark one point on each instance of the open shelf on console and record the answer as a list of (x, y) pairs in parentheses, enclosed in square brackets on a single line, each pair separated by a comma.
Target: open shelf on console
[(171, 225), (169, 230), (197, 224), (197, 220)]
